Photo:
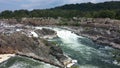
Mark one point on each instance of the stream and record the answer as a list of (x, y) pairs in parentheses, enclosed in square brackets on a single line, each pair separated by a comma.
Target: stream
[(87, 53)]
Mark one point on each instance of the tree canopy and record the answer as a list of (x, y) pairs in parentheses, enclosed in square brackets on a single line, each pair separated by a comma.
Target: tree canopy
[(99, 10)]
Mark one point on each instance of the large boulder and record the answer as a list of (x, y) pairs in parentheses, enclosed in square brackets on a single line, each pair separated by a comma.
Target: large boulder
[(36, 48), (46, 33)]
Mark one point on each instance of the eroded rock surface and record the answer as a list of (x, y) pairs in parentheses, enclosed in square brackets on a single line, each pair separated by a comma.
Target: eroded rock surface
[(25, 42)]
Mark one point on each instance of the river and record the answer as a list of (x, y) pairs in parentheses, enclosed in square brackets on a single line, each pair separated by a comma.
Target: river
[(87, 53)]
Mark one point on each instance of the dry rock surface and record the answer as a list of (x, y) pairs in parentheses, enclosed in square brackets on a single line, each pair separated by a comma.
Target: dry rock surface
[(30, 42)]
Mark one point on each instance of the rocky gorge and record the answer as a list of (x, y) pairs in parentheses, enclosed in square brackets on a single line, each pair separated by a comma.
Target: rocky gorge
[(31, 42)]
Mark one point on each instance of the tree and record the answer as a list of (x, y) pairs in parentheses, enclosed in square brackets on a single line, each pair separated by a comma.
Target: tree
[(21, 13), (117, 14), (105, 14), (6, 14)]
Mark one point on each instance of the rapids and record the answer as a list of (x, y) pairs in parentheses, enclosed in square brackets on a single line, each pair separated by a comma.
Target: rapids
[(87, 53)]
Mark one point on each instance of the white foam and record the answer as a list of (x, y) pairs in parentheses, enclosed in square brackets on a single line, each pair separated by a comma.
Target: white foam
[(115, 62), (4, 57), (38, 27), (34, 34), (70, 65), (70, 40), (67, 36), (18, 30), (74, 61)]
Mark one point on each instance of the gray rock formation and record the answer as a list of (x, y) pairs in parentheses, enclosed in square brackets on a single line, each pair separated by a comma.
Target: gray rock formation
[(101, 33), (36, 48), (100, 30), (46, 33), (25, 42)]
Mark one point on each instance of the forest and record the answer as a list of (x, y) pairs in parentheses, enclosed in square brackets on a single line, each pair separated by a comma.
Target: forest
[(109, 9)]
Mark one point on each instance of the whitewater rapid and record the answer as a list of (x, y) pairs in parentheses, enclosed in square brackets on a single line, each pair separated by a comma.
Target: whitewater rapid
[(87, 53)]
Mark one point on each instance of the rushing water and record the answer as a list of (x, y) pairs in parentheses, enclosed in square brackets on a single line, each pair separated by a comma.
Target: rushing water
[(24, 62), (88, 54)]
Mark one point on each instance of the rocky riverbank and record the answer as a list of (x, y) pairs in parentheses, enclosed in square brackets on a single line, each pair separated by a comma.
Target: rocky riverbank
[(30, 42), (104, 34), (103, 31)]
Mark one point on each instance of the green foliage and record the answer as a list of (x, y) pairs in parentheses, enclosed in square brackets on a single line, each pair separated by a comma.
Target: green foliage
[(117, 16), (6, 14), (90, 10), (20, 13), (111, 5), (105, 14)]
